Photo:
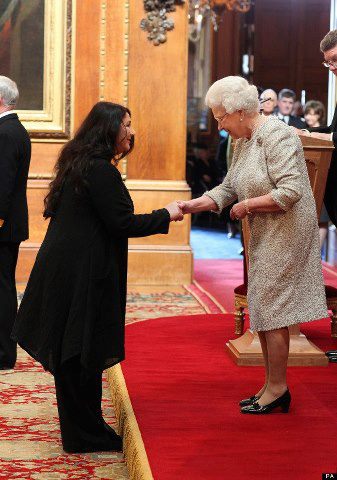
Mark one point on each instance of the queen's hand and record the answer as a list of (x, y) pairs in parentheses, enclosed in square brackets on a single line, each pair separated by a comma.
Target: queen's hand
[(238, 211), (185, 206)]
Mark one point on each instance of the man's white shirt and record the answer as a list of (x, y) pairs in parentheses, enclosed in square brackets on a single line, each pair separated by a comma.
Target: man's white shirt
[(6, 113)]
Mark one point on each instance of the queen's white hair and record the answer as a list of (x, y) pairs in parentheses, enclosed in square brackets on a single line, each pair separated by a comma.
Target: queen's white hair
[(233, 94), (9, 92)]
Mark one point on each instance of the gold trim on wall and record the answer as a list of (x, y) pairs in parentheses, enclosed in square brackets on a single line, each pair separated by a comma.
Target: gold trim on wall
[(158, 185), (126, 51), (54, 120), (106, 6), (102, 56), (126, 34)]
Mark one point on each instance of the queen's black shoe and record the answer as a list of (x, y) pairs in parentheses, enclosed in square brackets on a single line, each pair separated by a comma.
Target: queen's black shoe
[(282, 402), (248, 401), (332, 356)]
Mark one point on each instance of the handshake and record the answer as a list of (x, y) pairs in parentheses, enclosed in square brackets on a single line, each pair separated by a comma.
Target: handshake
[(177, 210)]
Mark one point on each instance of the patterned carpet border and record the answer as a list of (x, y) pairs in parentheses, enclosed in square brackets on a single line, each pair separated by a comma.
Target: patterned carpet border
[(142, 307)]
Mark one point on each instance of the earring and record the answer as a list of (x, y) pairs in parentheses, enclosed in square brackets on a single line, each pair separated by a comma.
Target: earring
[(241, 119)]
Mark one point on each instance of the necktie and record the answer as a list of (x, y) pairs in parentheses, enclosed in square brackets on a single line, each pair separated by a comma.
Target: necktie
[(284, 118)]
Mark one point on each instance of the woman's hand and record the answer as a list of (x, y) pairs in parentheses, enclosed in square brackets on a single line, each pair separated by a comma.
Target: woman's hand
[(303, 133), (238, 211), (176, 214), (319, 135)]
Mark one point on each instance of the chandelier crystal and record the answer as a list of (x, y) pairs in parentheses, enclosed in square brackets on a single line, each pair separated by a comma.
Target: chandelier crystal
[(200, 10)]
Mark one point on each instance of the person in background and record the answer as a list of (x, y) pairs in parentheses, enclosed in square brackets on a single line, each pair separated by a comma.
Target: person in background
[(72, 315), (328, 47), (15, 151), (298, 110), (189, 162), (204, 175), (223, 159), (268, 106), (221, 153), (286, 101), (314, 115), (206, 172)]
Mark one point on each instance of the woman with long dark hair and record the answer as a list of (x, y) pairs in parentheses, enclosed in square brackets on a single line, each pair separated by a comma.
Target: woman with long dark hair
[(71, 317)]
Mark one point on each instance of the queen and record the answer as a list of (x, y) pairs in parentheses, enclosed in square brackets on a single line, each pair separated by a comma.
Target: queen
[(268, 177)]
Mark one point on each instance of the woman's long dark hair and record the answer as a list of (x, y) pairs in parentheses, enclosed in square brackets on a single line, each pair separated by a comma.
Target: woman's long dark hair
[(95, 139)]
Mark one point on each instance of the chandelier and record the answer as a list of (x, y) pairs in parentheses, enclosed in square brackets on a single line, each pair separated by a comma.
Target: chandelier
[(199, 10), (158, 22)]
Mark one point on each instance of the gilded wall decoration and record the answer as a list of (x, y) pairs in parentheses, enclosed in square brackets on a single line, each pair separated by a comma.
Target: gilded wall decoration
[(157, 23), (35, 51)]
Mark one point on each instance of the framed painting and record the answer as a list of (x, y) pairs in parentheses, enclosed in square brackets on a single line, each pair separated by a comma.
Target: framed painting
[(35, 52)]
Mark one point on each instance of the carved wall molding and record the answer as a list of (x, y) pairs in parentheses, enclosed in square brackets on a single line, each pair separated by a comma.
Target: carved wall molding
[(105, 57), (102, 51), (126, 34), (157, 23)]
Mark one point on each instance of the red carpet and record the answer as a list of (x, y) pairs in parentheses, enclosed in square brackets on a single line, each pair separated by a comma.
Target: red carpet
[(220, 277), (184, 390)]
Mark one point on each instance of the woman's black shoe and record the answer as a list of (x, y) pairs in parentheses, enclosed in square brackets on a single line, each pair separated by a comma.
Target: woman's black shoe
[(256, 409), (248, 401), (114, 436), (113, 443), (112, 446)]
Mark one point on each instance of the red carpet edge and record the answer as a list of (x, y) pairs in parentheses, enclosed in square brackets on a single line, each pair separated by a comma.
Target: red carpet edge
[(133, 445), (204, 298)]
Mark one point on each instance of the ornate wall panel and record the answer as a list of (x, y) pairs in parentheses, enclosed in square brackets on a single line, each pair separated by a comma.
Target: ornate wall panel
[(157, 97)]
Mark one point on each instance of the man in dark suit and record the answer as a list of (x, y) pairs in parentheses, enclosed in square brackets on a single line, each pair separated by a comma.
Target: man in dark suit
[(286, 101), (15, 150), (328, 47)]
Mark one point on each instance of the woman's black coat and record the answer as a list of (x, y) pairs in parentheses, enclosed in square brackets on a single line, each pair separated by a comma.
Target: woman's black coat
[(74, 303)]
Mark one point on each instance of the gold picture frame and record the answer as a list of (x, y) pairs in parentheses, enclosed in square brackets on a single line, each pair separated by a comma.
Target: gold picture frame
[(53, 121)]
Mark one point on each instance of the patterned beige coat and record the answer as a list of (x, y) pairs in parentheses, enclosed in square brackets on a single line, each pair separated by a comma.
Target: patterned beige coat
[(285, 283)]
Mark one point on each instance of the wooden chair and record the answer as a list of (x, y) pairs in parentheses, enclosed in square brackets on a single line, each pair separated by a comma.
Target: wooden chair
[(318, 156)]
